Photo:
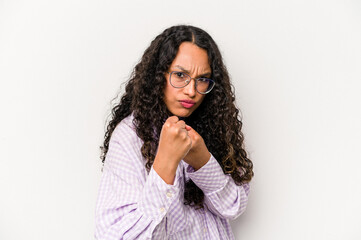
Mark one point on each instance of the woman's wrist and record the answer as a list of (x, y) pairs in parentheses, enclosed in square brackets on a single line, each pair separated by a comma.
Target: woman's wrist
[(200, 161), (165, 168)]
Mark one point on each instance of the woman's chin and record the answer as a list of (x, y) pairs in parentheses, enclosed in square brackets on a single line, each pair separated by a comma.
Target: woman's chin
[(183, 113)]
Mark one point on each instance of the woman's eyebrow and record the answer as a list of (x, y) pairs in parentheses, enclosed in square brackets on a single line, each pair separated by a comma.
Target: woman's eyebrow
[(186, 71)]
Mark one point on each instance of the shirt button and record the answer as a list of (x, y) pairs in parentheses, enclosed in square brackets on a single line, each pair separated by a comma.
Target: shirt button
[(169, 194), (162, 209)]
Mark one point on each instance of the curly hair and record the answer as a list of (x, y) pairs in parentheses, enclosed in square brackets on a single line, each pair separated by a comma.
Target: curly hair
[(216, 119)]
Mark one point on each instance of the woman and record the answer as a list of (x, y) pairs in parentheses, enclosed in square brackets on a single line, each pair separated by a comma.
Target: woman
[(174, 163)]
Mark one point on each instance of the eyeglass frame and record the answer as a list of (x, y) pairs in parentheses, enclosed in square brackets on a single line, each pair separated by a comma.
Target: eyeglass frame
[(190, 78)]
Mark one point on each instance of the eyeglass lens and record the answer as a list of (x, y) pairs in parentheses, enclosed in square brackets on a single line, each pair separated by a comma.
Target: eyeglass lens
[(179, 79)]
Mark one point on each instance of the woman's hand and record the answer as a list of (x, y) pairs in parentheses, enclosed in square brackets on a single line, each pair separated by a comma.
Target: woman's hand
[(174, 144), (198, 155)]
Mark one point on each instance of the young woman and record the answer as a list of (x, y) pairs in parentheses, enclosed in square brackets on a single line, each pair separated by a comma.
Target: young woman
[(174, 161)]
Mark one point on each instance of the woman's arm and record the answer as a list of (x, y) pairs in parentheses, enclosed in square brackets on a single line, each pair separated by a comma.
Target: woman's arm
[(222, 196), (131, 204)]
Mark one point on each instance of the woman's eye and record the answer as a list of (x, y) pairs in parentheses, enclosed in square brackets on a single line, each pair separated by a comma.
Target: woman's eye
[(203, 79), (179, 74)]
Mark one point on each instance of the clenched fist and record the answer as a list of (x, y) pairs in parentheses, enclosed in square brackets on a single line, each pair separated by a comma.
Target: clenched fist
[(198, 155), (174, 145), (174, 142)]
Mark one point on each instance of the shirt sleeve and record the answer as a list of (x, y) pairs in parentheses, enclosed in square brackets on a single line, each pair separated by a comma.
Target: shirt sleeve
[(222, 196), (131, 204)]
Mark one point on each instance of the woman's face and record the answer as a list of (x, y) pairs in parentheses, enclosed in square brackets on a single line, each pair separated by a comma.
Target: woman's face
[(193, 61)]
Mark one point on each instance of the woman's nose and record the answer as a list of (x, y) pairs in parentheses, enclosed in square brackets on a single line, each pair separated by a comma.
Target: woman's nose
[(190, 89)]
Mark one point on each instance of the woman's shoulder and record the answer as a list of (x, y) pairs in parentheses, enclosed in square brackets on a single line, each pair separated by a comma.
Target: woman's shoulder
[(124, 157), (125, 128)]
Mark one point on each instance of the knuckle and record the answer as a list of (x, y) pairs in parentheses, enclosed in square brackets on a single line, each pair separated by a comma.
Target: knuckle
[(173, 119), (174, 130), (177, 131), (181, 135)]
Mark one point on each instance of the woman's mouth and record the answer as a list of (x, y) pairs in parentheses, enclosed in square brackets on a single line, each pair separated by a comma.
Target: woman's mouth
[(187, 103)]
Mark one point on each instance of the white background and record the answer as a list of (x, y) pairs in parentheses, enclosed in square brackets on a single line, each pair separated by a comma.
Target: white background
[(296, 67)]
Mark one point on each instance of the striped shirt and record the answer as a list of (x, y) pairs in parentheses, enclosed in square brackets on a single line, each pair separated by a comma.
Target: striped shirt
[(135, 204)]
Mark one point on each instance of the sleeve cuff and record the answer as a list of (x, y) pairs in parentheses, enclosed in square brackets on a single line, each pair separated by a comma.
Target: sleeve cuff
[(210, 177), (158, 195)]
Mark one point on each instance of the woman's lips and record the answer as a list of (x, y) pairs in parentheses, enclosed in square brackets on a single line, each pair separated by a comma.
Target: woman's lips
[(187, 103)]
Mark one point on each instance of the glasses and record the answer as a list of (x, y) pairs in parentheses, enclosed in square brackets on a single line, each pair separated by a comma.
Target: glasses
[(180, 80)]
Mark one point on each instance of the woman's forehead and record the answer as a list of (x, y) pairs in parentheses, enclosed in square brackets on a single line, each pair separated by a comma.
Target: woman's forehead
[(190, 57)]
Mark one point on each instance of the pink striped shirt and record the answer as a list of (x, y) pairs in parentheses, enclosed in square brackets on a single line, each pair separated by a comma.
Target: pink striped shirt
[(133, 204)]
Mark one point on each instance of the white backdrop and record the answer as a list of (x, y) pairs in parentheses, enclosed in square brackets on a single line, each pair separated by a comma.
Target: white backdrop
[(296, 68)]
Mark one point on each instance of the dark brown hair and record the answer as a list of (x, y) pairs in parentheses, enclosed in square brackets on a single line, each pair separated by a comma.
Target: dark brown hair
[(217, 119)]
